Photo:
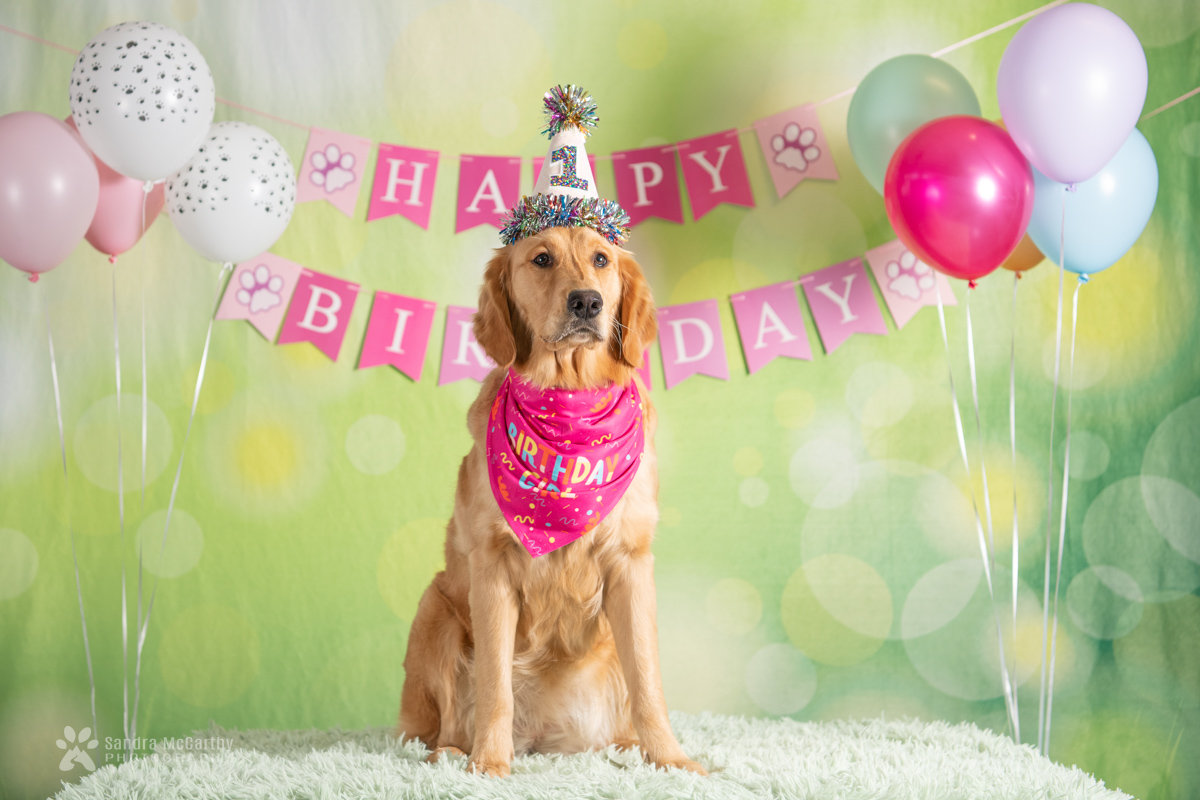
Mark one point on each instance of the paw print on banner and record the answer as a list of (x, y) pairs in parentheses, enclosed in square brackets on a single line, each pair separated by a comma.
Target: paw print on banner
[(795, 148), (332, 169), (260, 289), (76, 747), (909, 277)]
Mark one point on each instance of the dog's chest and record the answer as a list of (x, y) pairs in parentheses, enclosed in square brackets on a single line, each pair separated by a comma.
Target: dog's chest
[(561, 600)]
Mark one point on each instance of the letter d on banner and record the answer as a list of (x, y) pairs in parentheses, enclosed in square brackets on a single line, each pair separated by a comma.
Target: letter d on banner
[(690, 338), (320, 312)]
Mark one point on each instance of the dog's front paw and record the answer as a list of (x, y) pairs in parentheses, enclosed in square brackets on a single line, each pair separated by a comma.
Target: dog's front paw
[(493, 768), (683, 762)]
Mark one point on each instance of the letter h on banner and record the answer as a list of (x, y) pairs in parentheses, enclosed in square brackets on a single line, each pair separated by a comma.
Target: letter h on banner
[(404, 179)]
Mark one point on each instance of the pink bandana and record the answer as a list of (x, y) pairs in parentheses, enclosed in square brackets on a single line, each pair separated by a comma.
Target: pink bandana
[(559, 460)]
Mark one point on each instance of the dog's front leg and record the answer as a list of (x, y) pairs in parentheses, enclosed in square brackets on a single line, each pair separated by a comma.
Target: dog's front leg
[(494, 623), (631, 607)]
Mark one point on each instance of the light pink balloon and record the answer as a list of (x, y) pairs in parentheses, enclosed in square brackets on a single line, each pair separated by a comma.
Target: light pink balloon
[(120, 219), (49, 188)]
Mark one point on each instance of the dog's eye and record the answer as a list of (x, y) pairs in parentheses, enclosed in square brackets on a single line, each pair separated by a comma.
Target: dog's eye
[(600, 260), (542, 259)]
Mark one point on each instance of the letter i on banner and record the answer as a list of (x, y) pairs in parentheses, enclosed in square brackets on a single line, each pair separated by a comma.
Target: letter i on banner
[(404, 179), (320, 312), (648, 184), (842, 303), (488, 186), (907, 283), (462, 356), (333, 169), (771, 325), (690, 339), (715, 172), (794, 147), (259, 292), (397, 333)]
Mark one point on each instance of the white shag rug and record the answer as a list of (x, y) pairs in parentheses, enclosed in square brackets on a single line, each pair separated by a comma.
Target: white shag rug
[(747, 758)]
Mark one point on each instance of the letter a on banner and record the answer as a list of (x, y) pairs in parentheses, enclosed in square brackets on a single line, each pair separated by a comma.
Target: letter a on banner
[(770, 324), (488, 186), (404, 178), (320, 312), (259, 292), (647, 184), (842, 303), (689, 336), (715, 172), (462, 356), (398, 333)]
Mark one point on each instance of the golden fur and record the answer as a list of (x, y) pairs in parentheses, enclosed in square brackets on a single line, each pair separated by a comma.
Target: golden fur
[(509, 654)]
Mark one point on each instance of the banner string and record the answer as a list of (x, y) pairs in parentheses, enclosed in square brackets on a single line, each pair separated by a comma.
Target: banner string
[(121, 511), (1041, 742), (1016, 537), (1062, 528), (62, 448), (226, 269), (983, 548)]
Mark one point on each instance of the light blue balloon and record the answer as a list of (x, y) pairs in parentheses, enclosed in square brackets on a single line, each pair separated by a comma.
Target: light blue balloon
[(1104, 214)]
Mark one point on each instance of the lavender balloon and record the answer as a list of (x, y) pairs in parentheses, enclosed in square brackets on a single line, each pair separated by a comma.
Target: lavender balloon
[(1071, 87)]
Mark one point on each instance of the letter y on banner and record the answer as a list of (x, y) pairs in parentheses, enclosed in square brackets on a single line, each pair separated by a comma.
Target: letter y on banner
[(689, 336), (320, 312), (715, 172), (842, 303)]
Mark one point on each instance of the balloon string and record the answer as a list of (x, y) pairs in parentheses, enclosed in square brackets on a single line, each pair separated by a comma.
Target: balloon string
[(141, 639), (62, 448), (1012, 429), (983, 549), (1042, 744), (1062, 525), (121, 512)]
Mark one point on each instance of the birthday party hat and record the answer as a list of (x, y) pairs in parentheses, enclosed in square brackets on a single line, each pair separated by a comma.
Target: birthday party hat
[(565, 192)]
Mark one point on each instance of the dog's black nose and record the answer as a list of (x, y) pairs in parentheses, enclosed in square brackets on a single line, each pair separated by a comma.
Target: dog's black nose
[(584, 303)]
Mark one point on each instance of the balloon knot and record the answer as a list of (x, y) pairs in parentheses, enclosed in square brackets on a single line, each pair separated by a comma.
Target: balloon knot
[(33, 277), (1071, 187), (1083, 278), (971, 284), (112, 259), (1020, 275)]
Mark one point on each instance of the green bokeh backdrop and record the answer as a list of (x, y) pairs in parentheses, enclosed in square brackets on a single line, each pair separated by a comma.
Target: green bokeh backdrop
[(816, 552)]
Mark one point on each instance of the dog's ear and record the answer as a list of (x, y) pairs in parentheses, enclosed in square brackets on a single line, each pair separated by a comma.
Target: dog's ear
[(639, 325), (493, 320)]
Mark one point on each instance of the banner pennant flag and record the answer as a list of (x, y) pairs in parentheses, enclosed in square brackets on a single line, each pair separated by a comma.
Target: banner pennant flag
[(770, 324), (398, 333), (320, 312), (333, 169), (488, 186), (259, 291), (842, 303), (404, 179), (794, 147), (648, 184), (715, 172), (690, 339), (906, 283), (462, 355)]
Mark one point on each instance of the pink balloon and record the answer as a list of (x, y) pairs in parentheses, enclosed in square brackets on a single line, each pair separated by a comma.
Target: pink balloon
[(959, 194), (48, 191), (120, 216)]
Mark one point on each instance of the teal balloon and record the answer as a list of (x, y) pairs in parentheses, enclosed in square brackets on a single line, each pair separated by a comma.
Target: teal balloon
[(1105, 214), (897, 97)]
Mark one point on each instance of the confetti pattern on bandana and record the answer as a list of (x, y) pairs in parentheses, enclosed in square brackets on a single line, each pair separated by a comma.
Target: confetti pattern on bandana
[(535, 213)]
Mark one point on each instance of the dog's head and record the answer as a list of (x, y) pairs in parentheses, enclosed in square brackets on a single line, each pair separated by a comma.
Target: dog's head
[(566, 308)]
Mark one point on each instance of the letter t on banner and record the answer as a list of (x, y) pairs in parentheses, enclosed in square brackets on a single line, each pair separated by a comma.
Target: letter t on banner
[(689, 336), (404, 178), (770, 324), (398, 333), (715, 172), (462, 356), (320, 312), (842, 302)]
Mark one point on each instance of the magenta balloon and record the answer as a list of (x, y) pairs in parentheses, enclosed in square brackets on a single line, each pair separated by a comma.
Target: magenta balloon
[(48, 190), (959, 195), (1071, 86)]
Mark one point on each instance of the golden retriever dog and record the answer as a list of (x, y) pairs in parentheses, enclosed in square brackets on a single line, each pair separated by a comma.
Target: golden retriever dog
[(511, 654)]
